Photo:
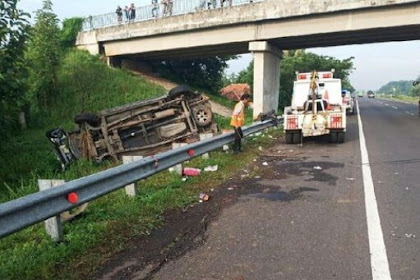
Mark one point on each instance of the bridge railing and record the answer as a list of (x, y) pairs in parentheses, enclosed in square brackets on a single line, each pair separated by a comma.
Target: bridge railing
[(145, 12)]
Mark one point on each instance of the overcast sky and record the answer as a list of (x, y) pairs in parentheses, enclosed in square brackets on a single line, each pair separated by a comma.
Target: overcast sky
[(376, 64)]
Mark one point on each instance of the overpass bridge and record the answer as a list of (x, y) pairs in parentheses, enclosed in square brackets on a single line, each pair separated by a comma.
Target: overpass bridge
[(264, 28)]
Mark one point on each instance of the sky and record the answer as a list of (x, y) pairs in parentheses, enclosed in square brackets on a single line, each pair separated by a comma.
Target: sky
[(375, 64)]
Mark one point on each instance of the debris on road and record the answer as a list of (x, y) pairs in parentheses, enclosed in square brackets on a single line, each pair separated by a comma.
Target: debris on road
[(184, 179), (260, 148), (231, 188), (203, 197), (317, 167), (265, 163), (257, 177), (211, 168), (350, 179), (409, 235), (189, 171)]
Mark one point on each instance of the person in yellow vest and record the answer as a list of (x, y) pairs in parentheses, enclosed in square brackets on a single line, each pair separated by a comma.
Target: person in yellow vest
[(238, 120)]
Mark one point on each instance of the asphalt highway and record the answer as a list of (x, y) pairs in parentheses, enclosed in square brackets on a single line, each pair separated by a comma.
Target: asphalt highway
[(313, 204)]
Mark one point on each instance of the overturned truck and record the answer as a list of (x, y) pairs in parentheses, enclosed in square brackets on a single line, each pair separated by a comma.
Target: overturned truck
[(140, 128)]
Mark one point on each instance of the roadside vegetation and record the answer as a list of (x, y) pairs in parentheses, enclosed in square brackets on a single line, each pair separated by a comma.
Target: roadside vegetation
[(44, 83), (407, 91)]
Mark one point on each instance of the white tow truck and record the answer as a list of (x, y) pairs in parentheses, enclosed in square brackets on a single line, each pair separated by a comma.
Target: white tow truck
[(317, 108)]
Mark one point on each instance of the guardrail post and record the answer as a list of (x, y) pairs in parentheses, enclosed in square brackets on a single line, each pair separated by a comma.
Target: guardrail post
[(204, 136), (53, 224), (179, 167), (131, 189)]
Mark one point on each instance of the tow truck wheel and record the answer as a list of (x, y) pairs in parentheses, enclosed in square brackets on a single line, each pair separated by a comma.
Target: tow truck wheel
[(340, 137), (296, 138), (333, 137), (289, 138)]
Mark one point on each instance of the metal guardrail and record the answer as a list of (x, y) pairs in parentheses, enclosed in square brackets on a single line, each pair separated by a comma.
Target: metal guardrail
[(25, 211), (145, 12)]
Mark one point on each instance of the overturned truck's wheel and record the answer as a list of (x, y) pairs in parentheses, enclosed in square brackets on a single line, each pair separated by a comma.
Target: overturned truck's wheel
[(202, 115), (89, 118), (178, 91)]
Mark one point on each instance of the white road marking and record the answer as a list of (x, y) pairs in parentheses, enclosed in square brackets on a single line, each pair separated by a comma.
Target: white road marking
[(378, 257), (396, 108)]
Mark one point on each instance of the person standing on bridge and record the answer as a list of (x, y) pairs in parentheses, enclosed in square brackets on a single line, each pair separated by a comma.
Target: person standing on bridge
[(238, 120), (155, 6), (127, 13), (132, 12), (119, 14), (170, 5)]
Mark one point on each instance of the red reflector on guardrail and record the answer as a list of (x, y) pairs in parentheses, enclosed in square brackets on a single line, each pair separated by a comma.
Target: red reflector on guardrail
[(191, 152), (73, 198)]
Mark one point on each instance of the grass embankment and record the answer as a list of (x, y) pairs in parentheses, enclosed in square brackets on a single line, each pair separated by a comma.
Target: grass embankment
[(400, 97), (88, 85)]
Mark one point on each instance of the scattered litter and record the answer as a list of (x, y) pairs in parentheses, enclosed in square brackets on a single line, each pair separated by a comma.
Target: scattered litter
[(396, 173), (255, 159), (317, 167), (258, 133), (212, 189), (407, 188), (350, 179), (265, 163), (246, 171), (184, 179), (189, 171), (260, 148), (171, 169), (257, 177), (291, 151), (225, 147), (379, 182), (278, 152), (203, 197), (269, 136), (211, 168), (409, 235), (231, 188), (292, 222)]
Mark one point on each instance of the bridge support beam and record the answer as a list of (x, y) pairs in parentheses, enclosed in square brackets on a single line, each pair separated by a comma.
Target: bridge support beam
[(266, 76)]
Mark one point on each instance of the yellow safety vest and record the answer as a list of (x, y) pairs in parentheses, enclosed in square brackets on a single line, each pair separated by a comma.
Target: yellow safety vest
[(239, 119)]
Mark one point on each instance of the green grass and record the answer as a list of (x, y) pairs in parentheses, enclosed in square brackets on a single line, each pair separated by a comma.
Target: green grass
[(29, 254), (400, 97), (86, 84)]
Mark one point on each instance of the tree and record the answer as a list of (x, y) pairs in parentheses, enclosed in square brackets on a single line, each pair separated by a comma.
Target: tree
[(68, 34), (13, 35), (204, 73), (43, 57)]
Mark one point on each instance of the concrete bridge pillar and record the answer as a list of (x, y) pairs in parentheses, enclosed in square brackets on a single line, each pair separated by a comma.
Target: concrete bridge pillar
[(266, 76)]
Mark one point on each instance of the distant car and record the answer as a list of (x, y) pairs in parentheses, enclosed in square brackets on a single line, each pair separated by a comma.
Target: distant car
[(360, 94), (348, 101), (370, 94)]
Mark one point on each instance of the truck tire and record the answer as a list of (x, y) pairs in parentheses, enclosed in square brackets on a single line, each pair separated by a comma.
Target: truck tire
[(333, 137), (89, 118), (202, 115), (297, 138), (178, 91), (289, 138), (340, 137)]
